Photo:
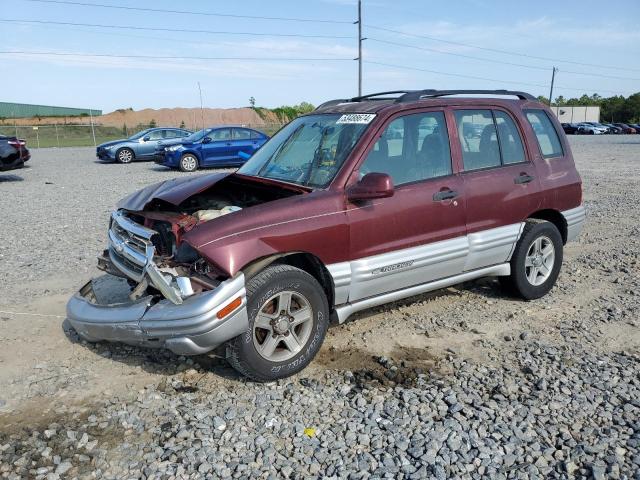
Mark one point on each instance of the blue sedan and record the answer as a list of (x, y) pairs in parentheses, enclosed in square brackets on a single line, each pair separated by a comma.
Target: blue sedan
[(210, 147), (141, 146)]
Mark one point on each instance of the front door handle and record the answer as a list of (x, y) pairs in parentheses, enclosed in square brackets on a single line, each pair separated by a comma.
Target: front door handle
[(444, 195), (523, 178)]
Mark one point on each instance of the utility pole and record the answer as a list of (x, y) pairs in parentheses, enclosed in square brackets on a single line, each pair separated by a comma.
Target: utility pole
[(201, 110), (93, 131), (553, 77), (360, 39)]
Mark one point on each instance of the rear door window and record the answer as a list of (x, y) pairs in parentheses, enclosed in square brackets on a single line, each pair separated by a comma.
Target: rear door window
[(510, 141), (478, 139), (546, 134)]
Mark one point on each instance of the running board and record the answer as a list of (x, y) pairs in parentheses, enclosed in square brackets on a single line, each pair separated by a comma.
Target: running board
[(345, 311)]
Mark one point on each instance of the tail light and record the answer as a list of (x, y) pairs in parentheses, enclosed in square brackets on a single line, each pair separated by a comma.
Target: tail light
[(17, 144)]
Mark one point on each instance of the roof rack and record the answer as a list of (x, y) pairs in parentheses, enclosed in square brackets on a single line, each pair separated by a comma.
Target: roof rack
[(415, 95)]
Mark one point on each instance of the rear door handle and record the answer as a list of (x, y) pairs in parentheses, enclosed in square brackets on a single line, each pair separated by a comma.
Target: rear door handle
[(444, 195), (523, 178)]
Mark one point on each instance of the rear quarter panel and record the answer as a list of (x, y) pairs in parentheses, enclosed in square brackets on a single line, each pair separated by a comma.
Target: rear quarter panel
[(560, 182)]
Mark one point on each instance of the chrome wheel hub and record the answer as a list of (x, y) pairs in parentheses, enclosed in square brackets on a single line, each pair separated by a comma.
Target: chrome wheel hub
[(539, 261), (282, 326)]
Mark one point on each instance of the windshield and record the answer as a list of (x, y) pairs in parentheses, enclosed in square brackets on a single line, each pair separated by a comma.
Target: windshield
[(140, 134), (310, 150), (197, 136)]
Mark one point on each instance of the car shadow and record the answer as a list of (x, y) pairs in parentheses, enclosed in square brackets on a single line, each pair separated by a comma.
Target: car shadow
[(488, 287), (10, 178), (159, 361)]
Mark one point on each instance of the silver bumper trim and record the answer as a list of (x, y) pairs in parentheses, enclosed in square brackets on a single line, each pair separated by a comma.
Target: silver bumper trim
[(575, 219), (191, 328)]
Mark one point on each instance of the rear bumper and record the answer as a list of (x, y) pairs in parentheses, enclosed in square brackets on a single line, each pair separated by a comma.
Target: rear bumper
[(191, 328), (575, 219), (11, 164)]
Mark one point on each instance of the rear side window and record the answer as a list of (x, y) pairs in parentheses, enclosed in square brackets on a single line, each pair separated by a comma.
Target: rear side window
[(547, 136), (255, 134), (510, 141), (478, 138)]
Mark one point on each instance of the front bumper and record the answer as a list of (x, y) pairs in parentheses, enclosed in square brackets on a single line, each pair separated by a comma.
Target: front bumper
[(191, 328), (105, 154)]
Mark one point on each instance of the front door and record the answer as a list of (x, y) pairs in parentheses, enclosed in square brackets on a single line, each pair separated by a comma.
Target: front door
[(500, 182), (418, 234), (148, 143)]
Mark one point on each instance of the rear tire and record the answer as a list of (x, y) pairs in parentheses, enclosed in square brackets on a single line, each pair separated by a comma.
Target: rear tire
[(288, 320), (536, 261), (188, 163), (125, 155)]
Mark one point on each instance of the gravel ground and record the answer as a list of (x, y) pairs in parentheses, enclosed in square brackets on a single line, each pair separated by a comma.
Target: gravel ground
[(461, 383)]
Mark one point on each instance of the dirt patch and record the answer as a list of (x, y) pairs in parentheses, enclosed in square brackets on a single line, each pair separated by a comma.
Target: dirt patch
[(402, 366)]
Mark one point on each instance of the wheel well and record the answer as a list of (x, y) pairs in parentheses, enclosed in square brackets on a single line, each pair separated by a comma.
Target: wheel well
[(302, 260), (193, 154), (554, 217)]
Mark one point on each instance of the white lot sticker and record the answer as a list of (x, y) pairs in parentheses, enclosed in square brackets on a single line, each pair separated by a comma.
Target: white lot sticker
[(357, 118)]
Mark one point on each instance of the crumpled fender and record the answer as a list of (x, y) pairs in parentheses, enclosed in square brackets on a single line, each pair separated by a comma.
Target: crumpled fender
[(174, 191)]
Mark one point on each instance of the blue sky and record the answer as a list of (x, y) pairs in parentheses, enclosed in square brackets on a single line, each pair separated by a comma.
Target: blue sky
[(591, 34)]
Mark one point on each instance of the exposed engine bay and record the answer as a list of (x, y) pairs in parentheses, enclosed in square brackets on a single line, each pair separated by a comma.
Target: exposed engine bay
[(147, 248)]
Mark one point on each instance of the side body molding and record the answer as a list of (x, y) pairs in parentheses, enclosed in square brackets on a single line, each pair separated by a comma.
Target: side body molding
[(375, 280)]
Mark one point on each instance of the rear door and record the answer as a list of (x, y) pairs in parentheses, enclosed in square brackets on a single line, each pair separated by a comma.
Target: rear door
[(499, 180), (241, 139), (418, 234), (218, 150)]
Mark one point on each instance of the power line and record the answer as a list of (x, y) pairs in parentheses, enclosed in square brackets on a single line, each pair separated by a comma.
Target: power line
[(174, 57), (405, 67), (490, 60), (495, 50), (188, 12), (163, 29)]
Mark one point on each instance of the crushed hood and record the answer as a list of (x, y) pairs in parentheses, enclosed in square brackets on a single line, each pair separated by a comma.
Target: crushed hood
[(173, 191)]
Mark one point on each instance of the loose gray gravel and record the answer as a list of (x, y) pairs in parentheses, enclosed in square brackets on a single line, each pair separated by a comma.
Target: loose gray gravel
[(472, 384)]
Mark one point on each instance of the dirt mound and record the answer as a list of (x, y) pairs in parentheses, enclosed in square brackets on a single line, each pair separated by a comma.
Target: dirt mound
[(193, 118)]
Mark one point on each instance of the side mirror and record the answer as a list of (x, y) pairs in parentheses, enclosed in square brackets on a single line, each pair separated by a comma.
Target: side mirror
[(146, 138), (372, 185), (244, 155), (206, 140)]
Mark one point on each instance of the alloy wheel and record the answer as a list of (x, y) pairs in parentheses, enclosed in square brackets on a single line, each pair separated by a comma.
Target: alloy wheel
[(282, 326), (539, 260)]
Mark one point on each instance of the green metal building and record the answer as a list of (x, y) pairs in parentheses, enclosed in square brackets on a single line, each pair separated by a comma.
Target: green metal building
[(24, 110)]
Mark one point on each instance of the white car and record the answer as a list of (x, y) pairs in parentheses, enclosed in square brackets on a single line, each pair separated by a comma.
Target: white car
[(588, 129)]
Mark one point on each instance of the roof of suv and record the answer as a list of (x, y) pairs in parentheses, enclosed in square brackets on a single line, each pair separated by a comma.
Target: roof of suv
[(375, 102)]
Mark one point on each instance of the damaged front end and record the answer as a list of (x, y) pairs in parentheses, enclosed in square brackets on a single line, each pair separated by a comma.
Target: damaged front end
[(175, 300)]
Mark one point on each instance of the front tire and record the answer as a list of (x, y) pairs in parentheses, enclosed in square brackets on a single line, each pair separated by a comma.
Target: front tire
[(288, 320), (125, 155), (536, 260), (188, 163)]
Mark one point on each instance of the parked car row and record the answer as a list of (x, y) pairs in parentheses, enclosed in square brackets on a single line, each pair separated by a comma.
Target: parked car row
[(13, 153), (597, 128), (184, 150)]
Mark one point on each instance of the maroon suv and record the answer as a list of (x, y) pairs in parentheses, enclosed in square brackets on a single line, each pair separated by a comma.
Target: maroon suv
[(362, 202)]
